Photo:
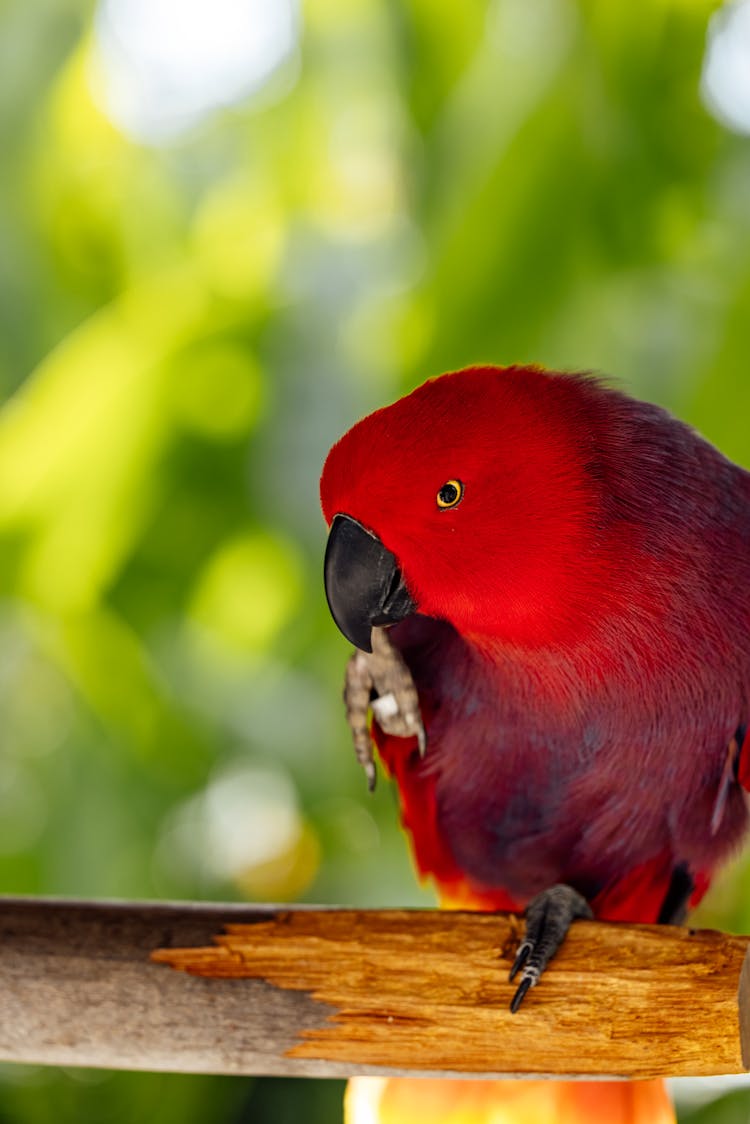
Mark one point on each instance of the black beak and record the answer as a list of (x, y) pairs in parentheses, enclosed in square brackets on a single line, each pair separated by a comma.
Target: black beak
[(364, 585)]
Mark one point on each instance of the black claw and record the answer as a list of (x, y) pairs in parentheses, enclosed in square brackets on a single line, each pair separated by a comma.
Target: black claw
[(521, 957), (521, 990), (677, 898), (548, 917)]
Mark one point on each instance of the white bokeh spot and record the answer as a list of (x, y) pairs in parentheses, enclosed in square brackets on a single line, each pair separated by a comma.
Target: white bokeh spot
[(726, 69), (161, 66)]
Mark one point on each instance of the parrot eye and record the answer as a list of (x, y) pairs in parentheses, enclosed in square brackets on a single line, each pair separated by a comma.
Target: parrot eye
[(450, 494)]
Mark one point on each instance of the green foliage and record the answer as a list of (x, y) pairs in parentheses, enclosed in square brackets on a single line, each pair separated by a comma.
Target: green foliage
[(186, 328)]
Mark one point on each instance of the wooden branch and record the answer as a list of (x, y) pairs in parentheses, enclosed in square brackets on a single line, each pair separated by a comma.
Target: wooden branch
[(335, 992)]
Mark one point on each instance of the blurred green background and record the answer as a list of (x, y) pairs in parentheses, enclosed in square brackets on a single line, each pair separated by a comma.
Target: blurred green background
[(228, 230)]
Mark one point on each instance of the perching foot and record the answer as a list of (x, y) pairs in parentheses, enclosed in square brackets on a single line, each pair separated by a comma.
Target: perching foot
[(381, 681), (549, 915)]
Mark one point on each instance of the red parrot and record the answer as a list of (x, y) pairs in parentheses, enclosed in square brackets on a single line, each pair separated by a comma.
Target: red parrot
[(565, 571)]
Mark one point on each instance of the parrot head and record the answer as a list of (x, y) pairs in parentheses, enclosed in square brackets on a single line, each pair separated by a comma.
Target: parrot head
[(468, 500)]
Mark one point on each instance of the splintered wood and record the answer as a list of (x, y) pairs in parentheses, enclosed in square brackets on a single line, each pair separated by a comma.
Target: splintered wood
[(329, 993), (427, 992)]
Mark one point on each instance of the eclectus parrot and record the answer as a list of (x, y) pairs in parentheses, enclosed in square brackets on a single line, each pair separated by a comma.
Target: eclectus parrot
[(561, 575)]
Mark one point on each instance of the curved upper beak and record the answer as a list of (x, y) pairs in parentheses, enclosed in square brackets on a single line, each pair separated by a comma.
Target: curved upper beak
[(364, 585)]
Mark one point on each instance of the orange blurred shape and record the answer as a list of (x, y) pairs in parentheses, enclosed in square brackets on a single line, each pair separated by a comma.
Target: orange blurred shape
[(401, 1100)]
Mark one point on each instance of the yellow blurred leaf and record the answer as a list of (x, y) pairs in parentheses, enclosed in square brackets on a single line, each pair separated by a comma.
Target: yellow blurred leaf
[(248, 591), (79, 440)]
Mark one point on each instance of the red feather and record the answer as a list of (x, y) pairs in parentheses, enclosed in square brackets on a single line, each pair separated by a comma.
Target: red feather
[(581, 648)]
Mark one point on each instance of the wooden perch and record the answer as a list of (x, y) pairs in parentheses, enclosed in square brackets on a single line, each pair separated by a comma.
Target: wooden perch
[(335, 992)]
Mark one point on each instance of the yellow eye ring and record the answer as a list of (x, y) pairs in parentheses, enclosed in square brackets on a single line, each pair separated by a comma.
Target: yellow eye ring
[(451, 494)]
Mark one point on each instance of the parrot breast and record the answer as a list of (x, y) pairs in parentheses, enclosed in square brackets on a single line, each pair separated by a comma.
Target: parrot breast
[(534, 775)]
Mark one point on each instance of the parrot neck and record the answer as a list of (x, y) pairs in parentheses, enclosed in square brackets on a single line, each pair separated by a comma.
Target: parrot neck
[(546, 604)]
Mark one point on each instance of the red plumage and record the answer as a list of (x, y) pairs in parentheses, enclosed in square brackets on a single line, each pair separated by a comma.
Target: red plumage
[(580, 647)]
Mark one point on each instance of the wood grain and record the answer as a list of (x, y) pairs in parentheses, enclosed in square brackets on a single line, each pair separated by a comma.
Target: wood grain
[(428, 991), (335, 992), (78, 988)]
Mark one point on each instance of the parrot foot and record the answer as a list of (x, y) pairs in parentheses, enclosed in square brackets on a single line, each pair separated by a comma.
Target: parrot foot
[(549, 915), (381, 681)]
